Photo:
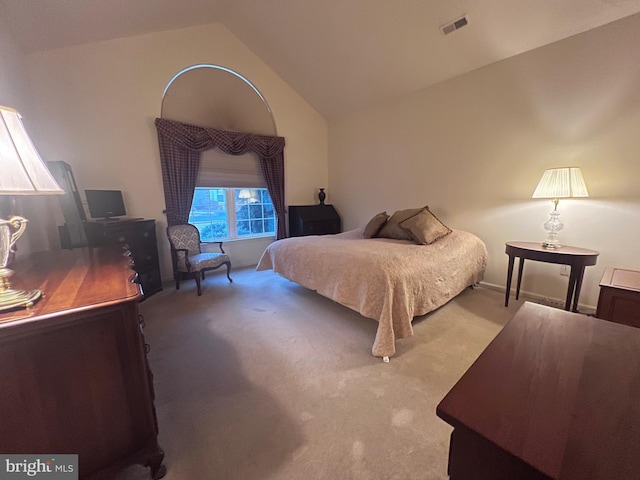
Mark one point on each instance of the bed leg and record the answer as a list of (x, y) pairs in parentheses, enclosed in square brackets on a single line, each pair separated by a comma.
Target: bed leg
[(385, 359)]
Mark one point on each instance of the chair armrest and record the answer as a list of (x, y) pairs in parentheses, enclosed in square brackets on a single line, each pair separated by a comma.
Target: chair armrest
[(174, 257), (219, 245)]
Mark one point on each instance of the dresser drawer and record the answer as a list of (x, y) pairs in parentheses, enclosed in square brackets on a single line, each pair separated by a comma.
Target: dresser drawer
[(150, 281)]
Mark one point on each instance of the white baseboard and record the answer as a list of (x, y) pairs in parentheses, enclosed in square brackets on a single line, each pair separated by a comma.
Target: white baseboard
[(534, 297)]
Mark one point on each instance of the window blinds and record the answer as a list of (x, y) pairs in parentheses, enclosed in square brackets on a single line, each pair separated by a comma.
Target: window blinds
[(219, 169)]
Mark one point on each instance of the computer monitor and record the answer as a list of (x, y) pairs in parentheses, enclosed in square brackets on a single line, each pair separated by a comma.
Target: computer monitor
[(105, 203)]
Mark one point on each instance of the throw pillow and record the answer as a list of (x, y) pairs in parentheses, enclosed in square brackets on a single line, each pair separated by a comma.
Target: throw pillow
[(425, 228), (392, 228), (375, 225)]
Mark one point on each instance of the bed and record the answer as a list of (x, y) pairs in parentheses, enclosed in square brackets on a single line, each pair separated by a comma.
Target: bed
[(387, 280)]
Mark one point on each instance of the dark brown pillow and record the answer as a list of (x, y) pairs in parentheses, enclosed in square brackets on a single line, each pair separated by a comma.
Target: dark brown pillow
[(424, 227), (375, 225), (392, 228)]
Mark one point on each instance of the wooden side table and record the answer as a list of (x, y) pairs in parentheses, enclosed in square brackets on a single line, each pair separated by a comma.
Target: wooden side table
[(576, 258), (619, 299)]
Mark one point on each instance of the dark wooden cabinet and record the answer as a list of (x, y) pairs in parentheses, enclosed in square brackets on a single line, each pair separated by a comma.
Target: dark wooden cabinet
[(313, 220), (74, 376), (138, 237), (619, 299)]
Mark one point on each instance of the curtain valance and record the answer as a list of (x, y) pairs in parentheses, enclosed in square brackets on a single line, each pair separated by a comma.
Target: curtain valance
[(198, 139)]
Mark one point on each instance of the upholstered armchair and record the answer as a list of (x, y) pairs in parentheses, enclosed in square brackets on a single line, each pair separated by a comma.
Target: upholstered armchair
[(189, 261)]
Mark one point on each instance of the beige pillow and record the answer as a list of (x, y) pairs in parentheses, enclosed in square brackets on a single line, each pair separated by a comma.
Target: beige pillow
[(375, 225), (392, 228), (425, 228)]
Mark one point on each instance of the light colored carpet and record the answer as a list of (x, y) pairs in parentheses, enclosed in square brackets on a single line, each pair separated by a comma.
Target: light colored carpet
[(263, 379)]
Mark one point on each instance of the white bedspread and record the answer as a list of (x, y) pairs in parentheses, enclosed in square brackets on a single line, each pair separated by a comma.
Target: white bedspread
[(390, 281)]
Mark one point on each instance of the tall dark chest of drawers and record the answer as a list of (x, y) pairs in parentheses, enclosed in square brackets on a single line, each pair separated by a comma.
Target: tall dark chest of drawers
[(139, 238), (313, 220)]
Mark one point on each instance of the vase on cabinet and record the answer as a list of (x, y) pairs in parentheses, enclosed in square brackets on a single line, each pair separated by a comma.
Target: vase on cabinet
[(322, 196)]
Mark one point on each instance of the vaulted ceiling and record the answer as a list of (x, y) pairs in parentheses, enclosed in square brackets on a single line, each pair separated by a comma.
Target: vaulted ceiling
[(340, 55)]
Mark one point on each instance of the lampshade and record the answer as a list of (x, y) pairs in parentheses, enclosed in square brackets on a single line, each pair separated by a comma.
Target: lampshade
[(565, 182), (23, 171), (556, 183)]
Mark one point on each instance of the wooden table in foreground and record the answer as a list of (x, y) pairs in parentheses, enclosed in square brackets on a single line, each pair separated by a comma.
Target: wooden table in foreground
[(554, 396), (576, 258), (74, 377)]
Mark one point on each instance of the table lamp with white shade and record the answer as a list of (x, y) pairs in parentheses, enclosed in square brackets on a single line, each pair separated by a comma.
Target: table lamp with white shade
[(22, 172), (557, 183)]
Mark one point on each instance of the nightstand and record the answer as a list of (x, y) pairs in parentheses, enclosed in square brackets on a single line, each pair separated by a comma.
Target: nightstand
[(576, 258)]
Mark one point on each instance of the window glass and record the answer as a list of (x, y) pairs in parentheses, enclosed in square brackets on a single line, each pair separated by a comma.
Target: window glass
[(232, 213)]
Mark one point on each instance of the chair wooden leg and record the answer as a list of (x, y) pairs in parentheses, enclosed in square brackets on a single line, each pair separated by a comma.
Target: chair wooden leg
[(196, 275), (177, 278), (228, 264), (203, 274)]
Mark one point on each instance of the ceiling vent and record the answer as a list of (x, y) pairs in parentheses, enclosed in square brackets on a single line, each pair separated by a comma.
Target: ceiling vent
[(455, 25)]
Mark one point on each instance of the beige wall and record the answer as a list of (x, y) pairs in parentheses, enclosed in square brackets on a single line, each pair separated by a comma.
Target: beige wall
[(473, 149), (13, 91), (97, 103)]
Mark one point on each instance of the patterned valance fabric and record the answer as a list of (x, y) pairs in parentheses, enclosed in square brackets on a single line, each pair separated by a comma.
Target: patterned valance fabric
[(198, 139), (180, 146)]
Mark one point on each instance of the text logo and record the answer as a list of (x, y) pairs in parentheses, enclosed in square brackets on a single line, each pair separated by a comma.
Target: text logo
[(45, 467)]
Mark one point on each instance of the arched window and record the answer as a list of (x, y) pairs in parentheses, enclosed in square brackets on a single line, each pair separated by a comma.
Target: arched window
[(221, 205)]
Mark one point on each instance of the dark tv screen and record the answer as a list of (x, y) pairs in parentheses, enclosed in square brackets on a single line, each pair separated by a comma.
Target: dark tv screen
[(105, 203)]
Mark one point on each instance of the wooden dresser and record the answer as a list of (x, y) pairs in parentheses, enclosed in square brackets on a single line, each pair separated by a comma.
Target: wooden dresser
[(74, 376)]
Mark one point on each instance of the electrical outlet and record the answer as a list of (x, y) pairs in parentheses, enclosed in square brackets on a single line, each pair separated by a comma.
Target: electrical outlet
[(565, 270)]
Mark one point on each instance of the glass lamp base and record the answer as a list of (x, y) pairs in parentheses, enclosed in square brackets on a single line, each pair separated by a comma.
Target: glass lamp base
[(552, 226)]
